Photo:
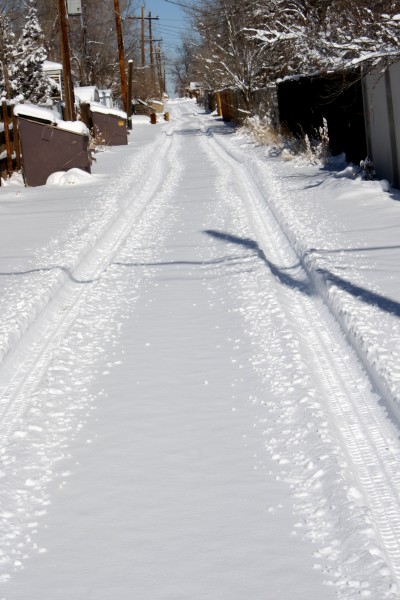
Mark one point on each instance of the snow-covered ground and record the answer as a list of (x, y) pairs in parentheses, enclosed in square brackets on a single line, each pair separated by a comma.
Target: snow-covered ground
[(200, 376)]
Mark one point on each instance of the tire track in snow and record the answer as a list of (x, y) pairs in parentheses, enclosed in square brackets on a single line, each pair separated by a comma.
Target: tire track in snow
[(367, 439), (23, 368), (57, 261), (47, 404)]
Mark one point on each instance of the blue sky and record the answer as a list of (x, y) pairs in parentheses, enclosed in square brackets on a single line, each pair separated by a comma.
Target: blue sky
[(172, 22)]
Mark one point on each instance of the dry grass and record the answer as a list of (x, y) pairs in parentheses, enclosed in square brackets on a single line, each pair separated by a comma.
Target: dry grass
[(284, 144)]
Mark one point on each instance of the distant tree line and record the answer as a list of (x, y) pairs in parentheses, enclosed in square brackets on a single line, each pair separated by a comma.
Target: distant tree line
[(251, 43)]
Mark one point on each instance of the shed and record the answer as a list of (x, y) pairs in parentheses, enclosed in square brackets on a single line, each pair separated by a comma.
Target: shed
[(54, 71), (88, 93), (157, 105)]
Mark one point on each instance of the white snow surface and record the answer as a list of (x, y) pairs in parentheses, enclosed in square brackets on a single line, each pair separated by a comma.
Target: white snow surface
[(200, 376)]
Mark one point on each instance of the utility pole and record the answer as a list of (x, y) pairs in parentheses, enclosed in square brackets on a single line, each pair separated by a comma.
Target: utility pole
[(143, 53), (142, 18), (165, 77), (66, 62), (152, 69), (129, 107), (159, 70), (85, 79), (142, 72), (121, 54)]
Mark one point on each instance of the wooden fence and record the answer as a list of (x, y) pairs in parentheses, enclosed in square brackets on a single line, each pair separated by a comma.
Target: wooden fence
[(233, 107), (10, 155)]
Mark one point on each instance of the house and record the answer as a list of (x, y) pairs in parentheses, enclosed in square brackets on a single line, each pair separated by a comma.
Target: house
[(87, 94), (54, 71), (194, 90)]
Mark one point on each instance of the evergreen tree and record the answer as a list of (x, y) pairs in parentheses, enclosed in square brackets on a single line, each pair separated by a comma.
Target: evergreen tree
[(7, 46), (26, 73)]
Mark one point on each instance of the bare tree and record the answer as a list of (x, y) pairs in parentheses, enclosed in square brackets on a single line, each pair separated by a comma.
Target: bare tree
[(249, 43)]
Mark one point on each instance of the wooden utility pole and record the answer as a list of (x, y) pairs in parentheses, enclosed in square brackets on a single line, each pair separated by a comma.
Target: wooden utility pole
[(142, 77), (129, 107), (152, 69), (159, 69), (164, 77), (142, 72), (66, 62), (143, 52), (121, 54)]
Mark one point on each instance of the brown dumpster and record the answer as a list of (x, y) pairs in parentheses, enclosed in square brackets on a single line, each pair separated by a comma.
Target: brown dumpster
[(109, 125), (49, 145)]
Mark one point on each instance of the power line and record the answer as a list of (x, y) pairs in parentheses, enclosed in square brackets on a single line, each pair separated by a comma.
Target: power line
[(184, 6)]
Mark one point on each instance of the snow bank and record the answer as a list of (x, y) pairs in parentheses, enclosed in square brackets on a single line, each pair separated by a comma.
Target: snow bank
[(140, 120), (71, 177)]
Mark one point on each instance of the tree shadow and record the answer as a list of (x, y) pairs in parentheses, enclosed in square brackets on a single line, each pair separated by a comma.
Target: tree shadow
[(367, 296), (352, 250), (280, 273), (48, 270), (224, 260), (364, 295)]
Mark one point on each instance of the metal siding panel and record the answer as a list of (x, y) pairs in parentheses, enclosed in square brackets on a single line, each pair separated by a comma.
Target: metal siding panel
[(395, 84), (379, 124)]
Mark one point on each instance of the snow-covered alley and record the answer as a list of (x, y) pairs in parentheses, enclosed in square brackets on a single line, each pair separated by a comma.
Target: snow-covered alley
[(200, 377)]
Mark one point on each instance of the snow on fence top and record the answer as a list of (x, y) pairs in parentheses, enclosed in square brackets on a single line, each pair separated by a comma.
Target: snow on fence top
[(48, 116), (100, 108)]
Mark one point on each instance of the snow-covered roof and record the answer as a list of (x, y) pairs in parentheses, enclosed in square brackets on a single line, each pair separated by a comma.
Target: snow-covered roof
[(88, 93), (49, 65), (48, 116), (100, 108)]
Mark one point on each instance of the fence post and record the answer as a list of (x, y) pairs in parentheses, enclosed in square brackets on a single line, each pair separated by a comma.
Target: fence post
[(7, 136), (219, 107), (86, 114), (16, 144)]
